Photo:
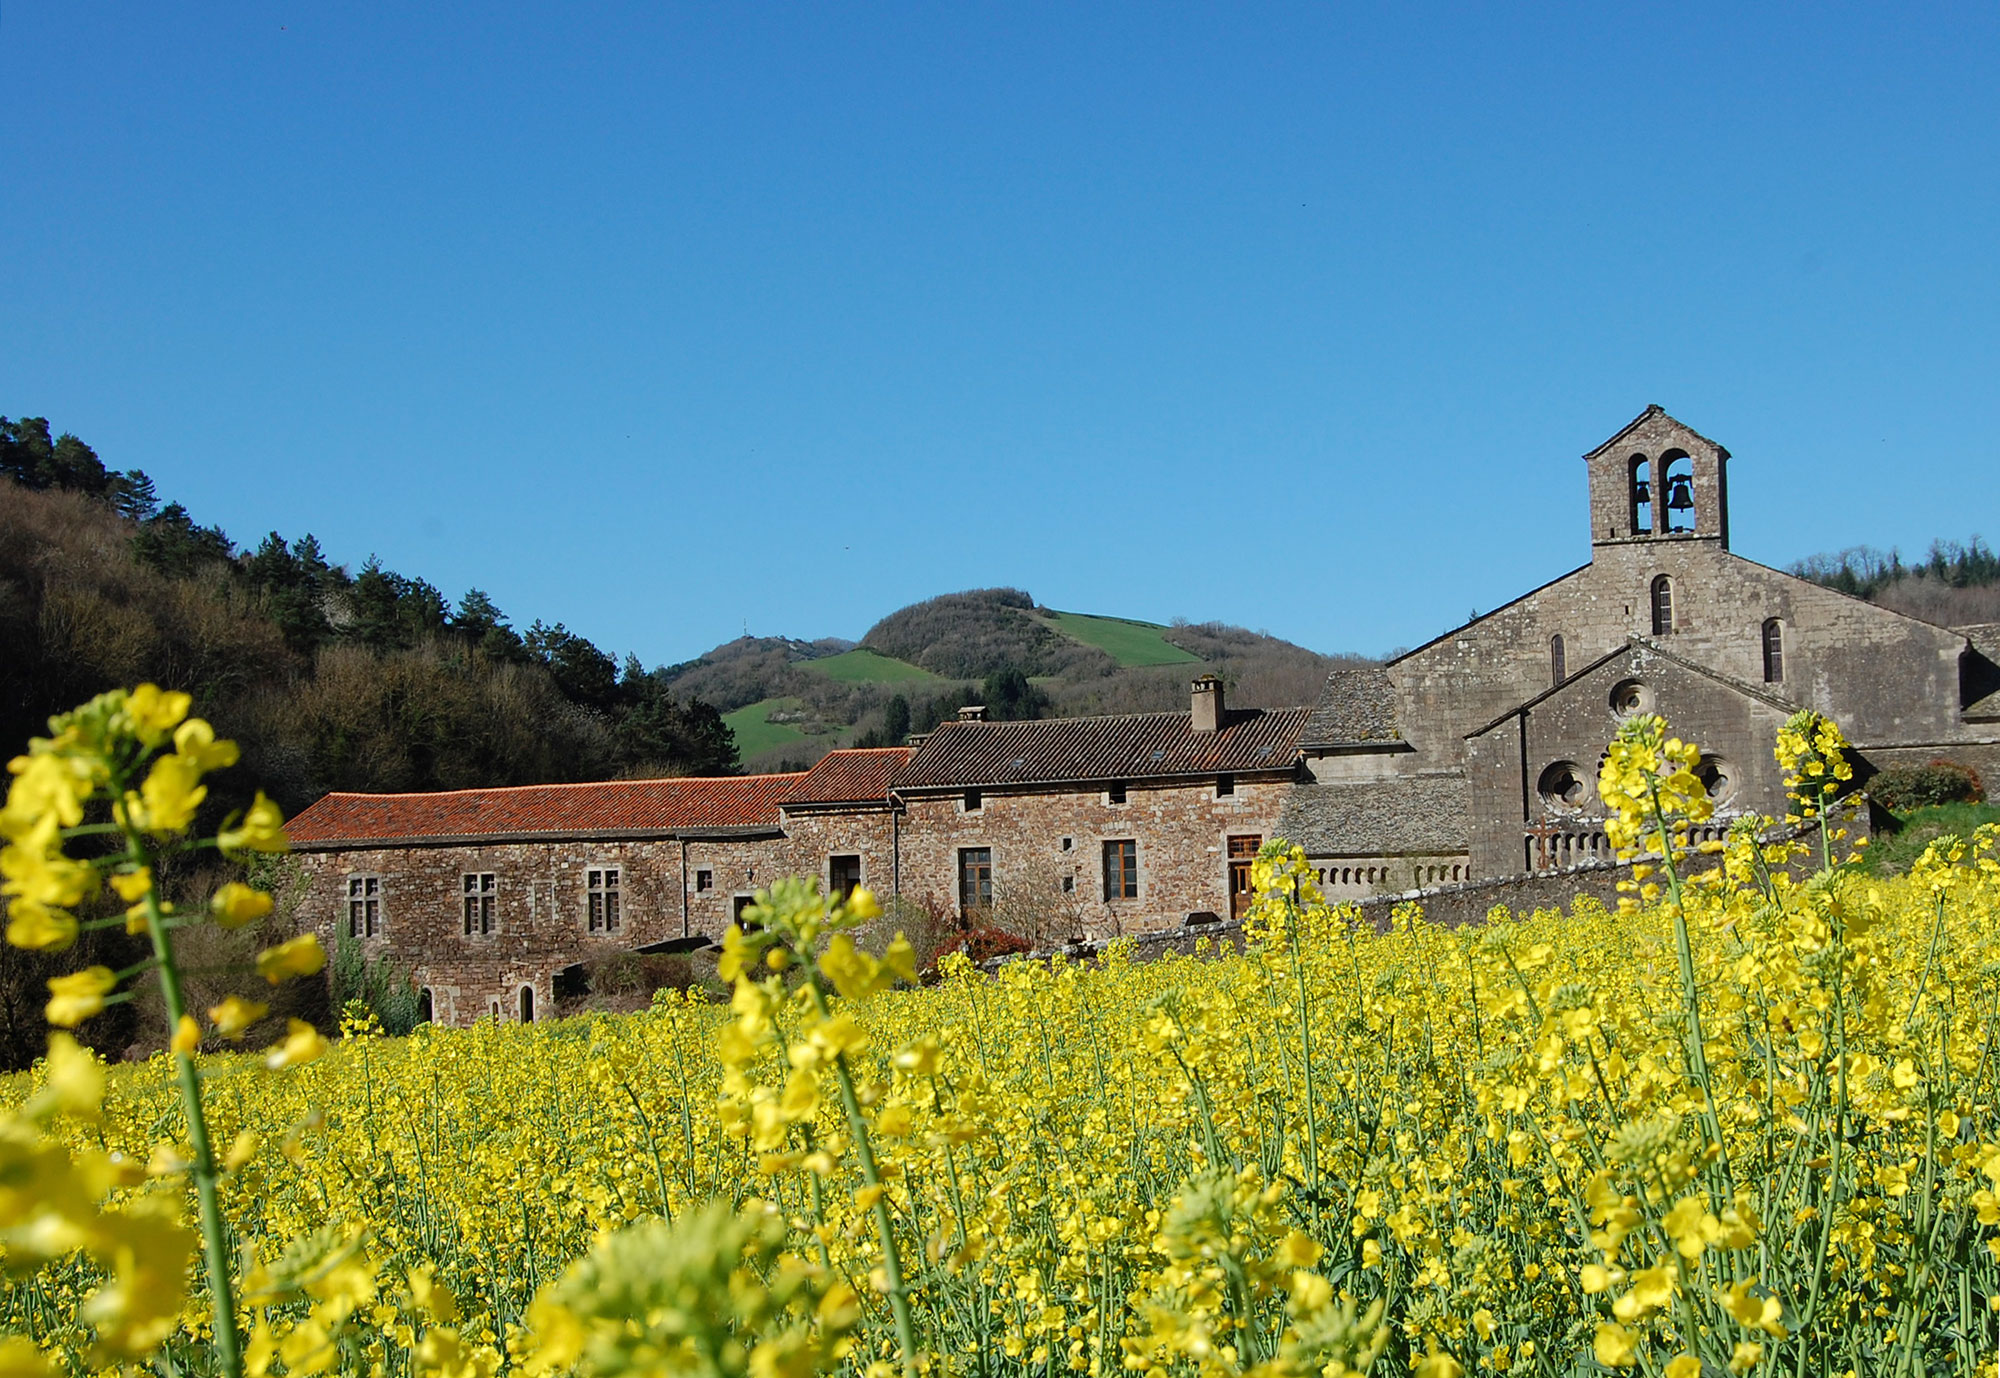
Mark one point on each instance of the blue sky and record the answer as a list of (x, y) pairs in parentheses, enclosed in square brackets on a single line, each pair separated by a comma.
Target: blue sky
[(668, 320)]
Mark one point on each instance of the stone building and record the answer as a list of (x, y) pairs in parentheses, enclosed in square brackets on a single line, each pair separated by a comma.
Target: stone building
[(1476, 754), (1469, 759)]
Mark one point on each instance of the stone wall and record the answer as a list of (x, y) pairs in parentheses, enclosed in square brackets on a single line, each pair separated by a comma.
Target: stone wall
[(540, 899), (1886, 678), (1512, 764), (1041, 838)]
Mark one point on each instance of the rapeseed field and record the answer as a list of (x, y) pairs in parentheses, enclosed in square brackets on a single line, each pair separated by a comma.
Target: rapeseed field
[(1743, 1123)]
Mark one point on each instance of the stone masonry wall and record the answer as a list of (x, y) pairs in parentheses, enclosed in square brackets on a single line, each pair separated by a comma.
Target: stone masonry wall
[(1573, 726), (541, 927), (1886, 678), (1038, 838)]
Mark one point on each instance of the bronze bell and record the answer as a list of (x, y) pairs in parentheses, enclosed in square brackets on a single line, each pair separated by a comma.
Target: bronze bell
[(1680, 493)]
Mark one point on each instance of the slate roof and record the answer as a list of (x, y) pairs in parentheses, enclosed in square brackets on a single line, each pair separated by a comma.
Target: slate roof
[(628, 807), (1138, 746), (1354, 706), (852, 776), (1408, 813)]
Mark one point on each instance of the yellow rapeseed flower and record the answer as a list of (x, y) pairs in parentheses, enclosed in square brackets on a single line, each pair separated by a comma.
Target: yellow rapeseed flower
[(79, 995), (300, 956)]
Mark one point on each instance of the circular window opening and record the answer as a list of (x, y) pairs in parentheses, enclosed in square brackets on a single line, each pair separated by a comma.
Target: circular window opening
[(1564, 787), (1718, 776), (1630, 697)]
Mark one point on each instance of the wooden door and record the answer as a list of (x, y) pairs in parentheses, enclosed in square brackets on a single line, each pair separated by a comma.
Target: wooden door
[(1242, 851)]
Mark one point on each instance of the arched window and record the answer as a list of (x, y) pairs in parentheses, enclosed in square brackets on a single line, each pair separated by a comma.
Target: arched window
[(1677, 492), (426, 1006), (1663, 606), (1774, 652), (527, 1004), (1558, 663), (1642, 495)]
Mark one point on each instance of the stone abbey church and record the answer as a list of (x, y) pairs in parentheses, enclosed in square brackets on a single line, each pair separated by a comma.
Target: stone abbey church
[(1469, 759)]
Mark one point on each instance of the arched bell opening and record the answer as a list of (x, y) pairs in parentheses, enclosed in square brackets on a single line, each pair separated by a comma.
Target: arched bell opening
[(1677, 486)]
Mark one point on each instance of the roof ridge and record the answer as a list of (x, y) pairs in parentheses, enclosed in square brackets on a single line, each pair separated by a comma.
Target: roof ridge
[(1108, 717), (562, 784)]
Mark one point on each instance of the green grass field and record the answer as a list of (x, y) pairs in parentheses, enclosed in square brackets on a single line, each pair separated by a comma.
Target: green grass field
[(1128, 643), (863, 666), (1893, 853), (756, 732)]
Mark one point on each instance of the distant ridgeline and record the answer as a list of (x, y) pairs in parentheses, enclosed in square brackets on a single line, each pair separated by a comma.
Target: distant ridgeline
[(329, 680), (1954, 586)]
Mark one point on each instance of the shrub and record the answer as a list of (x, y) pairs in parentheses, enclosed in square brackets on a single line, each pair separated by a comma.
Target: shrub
[(381, 987), (1903, 788)]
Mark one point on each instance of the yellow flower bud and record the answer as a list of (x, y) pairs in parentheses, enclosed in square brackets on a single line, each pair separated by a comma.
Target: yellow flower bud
[(262, 830), (302, 1044), (236, 904), (234, 1016), (302, 956), (79, 995)]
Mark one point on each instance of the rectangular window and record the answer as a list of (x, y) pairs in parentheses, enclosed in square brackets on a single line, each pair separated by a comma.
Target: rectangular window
[(601, 887), (1225, 785), (704, 879), (1121, 870), (975, 878), (843, 873), (364, 906), (480, 893), (1116, 794), (973, 801)]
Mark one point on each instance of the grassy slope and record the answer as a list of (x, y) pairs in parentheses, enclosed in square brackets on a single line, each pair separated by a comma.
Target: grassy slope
[(755, 731), (863, 666), (1893, 853), (1128, 643)]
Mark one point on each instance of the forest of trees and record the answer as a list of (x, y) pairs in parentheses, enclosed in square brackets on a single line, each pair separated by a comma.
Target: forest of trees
[(331, 680), (1953, 586)]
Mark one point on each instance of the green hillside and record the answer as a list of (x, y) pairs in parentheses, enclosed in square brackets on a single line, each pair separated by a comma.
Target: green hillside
[(1131, 644), (863, 666), (755, 732)]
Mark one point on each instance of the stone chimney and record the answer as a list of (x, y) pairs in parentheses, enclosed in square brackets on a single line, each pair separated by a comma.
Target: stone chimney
[(972, 712), (1207, 704)]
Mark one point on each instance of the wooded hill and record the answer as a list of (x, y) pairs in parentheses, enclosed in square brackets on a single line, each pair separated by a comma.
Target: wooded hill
[(369, 681), (375, 681), (789, 702)]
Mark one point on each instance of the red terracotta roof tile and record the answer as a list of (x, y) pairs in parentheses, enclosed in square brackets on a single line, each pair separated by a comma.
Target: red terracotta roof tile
[(852, 776), (645, 806)]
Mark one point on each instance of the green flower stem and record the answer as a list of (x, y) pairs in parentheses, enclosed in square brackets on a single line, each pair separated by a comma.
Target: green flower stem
[(864, 1152), (214, 1233)]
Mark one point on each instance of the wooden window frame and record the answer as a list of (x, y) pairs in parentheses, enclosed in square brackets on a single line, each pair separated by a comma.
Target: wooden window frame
[(975, 879), (834, 887), (1121, 869), (604, 898)]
